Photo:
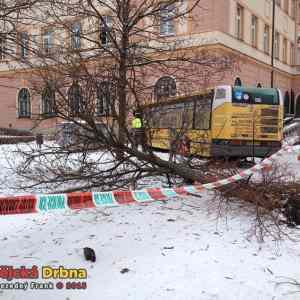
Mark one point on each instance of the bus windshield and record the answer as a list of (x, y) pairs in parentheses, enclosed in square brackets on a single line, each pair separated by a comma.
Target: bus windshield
[(255, 96)]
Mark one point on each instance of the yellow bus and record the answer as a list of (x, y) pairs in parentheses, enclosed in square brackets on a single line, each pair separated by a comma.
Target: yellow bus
[(224, 122)]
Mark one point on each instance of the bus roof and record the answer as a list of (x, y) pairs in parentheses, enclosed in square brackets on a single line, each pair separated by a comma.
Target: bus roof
[(259, 95), (259, 92), (255, 90), (173, 100)]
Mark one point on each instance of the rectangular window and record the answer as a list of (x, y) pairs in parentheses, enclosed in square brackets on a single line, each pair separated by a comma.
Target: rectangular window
[(75, 36), (267, 39), (286, 6), (34, 38), (276, 45), (105, 30), (24, 44), (292, 59), (203, 112), (297, 56), (220, 93), (103, 102), (284, 51), (2, 46), (167, 14), (181, 115), (48, 41), (293, 9), (254, 31), (268, 8), (239, 22)]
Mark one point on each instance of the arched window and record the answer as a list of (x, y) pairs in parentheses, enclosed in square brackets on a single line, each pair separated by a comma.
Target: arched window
[(292, 102), (297, 113), (48, 101), (259, 85), (24, 106), (75, 99), (238, 82), (165, 87), (286, 103), (104, 98)]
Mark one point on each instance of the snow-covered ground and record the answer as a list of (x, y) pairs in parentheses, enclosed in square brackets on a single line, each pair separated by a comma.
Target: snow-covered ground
[(172, 250)]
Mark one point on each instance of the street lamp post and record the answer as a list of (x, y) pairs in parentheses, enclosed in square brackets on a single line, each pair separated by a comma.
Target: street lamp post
[(273, 42), (253, 134)]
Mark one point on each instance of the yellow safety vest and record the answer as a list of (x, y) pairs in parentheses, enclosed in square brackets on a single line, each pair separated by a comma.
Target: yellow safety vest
[(136, 123)]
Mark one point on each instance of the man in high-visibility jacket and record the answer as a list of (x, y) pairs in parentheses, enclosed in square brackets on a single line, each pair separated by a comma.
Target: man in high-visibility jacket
[(138, 131), (136, 122)]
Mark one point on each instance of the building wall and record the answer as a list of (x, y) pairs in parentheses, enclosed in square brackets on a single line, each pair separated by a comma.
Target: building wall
[(212, 24), (10, 85), (210, 15), (285, 25)]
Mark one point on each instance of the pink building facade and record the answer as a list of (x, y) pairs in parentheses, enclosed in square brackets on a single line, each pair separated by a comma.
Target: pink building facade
[(242, 28)]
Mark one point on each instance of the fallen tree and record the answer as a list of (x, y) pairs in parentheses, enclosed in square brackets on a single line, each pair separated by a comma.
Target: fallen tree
[(272, 197), (118, 56)]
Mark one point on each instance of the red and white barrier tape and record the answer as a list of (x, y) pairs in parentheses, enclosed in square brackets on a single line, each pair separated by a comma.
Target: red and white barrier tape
[(44, 203)]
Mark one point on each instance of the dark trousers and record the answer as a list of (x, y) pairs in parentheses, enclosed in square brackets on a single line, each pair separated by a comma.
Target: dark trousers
[(139, 138)]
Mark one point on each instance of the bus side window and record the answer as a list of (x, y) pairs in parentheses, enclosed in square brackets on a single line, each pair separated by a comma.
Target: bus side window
[(220, 93), (202, 114), (163, 118), (167, 117), (172, 117), (179, 115), (187, 115), (149, 117), (154, 118)]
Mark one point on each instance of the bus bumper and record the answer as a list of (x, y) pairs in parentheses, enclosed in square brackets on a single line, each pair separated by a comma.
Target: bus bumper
[(223, 150)]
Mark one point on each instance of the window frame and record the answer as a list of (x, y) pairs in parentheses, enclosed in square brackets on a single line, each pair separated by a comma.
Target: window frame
[(277, 45), (163, 84), (75, 38), (75, 107), (254, 31), (24, 44), (105, 30), (48, 112), (3, 46), (27, 112), (167, 14), (104, 95), (286, 103), (292, 54), (49, 33), (284, 50), (278, 2), (239, 19), (293, 9), (266, 37), (286, 6)]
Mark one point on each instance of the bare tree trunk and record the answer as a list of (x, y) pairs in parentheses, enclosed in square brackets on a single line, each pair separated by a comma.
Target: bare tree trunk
[(121, 45)]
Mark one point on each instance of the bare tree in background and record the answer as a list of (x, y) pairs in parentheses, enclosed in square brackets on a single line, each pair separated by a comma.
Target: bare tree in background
[(94, 64), (13, 14)]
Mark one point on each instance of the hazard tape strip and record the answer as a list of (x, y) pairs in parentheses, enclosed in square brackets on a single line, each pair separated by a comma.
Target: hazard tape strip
[(80, 200)]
